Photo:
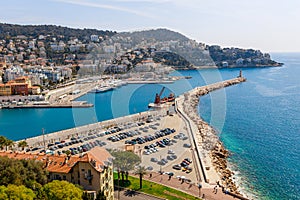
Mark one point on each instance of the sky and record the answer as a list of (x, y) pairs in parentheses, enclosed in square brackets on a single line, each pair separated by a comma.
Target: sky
[(268, 25)]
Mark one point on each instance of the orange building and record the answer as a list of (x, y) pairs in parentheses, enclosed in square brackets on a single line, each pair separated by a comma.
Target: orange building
[(93, 170), (5, 90), (19, 86)]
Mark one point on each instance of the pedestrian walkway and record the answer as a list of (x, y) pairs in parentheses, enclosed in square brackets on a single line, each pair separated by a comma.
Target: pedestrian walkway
[(213, 193)]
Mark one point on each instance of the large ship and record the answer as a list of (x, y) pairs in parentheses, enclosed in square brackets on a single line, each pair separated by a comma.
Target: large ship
[(162, 102)]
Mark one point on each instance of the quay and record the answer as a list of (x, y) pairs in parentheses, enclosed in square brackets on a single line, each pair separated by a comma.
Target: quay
[(62, 105), (149, 82)]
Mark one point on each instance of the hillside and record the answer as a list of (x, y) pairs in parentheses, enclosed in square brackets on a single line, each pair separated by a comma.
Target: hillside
[(51, 44), (13, 30)]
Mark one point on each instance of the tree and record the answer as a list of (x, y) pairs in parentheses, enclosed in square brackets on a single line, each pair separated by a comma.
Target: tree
[(87, 196), (2, 142), (22, 144), (62, 190), (16, 192), (9, 144), (21, 172), (3, 194), (125, 161), (141, 171), (100, 196)]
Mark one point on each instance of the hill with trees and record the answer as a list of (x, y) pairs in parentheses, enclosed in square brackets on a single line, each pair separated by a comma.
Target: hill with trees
[(13, 30)]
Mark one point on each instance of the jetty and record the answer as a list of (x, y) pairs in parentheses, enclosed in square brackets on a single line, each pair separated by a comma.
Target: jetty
[(206, 144)]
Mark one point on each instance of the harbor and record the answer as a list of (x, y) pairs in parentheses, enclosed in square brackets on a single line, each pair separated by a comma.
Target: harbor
[(65, 96), (178, 117)]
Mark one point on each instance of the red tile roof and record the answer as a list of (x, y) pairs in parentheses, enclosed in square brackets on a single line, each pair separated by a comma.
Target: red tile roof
[(63, 164)]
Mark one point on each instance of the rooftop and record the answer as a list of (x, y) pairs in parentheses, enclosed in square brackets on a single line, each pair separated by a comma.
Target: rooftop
[(98, 157)]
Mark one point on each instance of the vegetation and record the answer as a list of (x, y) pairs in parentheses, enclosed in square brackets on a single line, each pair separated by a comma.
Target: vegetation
[(240, 57), (100, 196), (124, 161), (141, 171), (22, 144), (16, 192), (21, 172), (64, 33), (155, 189), (171, 59), (4, 142), (62, 190)]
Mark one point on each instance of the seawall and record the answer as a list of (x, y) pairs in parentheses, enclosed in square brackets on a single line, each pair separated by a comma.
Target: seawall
[(211, 153)]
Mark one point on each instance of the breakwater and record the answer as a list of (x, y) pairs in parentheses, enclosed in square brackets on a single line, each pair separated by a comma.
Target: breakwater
[(208, 146)]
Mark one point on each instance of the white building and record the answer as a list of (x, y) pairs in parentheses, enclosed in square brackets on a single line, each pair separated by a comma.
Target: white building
[(95, 38)]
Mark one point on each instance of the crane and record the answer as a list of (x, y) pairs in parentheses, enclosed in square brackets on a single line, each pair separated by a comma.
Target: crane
[(157, 96)]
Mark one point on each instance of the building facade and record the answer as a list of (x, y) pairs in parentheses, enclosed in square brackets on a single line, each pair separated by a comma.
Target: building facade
[(92, 170)]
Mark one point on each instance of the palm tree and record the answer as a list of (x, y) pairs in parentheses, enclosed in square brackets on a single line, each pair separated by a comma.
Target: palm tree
[(22, 144), (2, 142), (141, 170), (9, 144)]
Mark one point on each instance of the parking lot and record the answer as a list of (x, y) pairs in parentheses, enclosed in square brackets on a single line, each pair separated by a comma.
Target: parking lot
[(161, 142)]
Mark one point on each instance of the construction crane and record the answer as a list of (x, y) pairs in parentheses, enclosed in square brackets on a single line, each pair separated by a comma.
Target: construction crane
[(157, 96)]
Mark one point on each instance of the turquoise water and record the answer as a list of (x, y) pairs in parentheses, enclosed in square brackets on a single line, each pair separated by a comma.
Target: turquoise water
[(258, 121), (262, 129)]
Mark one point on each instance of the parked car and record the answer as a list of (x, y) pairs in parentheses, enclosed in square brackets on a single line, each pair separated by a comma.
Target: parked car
[(177, 167)]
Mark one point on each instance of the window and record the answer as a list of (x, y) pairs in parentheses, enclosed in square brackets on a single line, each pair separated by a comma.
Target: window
[(57, 177), (64, 177)]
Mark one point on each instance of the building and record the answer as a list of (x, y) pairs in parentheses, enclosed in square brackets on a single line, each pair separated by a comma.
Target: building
[(19, 86), (95, 38), (93, 170), (34, 90), (5, 90)]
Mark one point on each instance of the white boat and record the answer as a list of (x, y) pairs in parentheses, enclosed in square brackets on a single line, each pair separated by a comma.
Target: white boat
[(101, 89)]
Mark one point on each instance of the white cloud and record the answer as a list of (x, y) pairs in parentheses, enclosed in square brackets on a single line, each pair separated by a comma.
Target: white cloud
[(105, 6)]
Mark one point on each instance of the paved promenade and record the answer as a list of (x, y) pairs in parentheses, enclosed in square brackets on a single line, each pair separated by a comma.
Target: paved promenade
[(204, 193)]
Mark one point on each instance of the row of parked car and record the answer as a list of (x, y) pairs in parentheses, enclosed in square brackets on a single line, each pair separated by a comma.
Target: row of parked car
[(151, 137), (152, 148), (86, 147), (184, 165), (93, 134), (124, 135)]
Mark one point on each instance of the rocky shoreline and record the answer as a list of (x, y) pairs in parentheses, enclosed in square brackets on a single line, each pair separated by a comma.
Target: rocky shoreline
[(207, 137)]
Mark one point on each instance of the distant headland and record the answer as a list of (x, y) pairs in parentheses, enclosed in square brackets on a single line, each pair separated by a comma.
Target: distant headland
[(57, 45)]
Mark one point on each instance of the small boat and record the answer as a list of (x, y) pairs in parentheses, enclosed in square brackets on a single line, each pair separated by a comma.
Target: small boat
[(101, 89)]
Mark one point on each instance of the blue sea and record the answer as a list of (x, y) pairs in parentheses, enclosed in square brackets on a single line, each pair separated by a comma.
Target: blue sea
[(258, 121)]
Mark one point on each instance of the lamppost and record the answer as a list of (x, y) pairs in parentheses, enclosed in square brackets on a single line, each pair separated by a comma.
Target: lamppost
[(160, 167), (199, 187), (118, 183)]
